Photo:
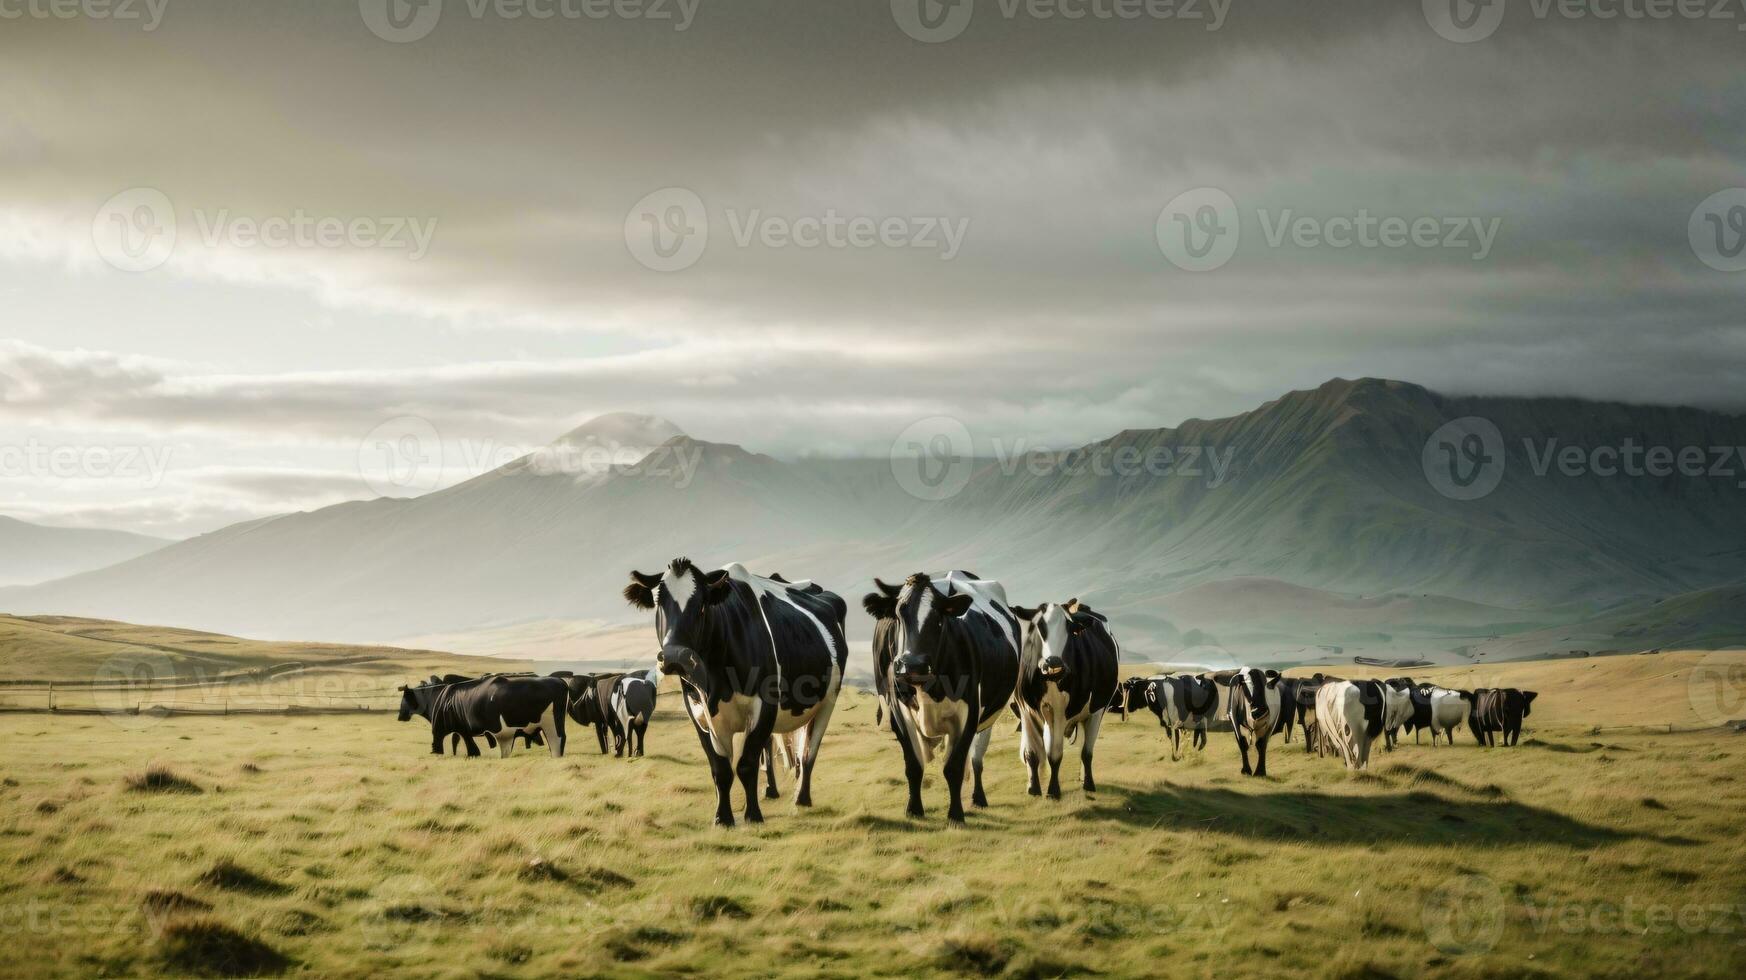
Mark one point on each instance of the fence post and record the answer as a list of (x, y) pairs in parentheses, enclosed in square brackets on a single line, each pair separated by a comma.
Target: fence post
[(51, 699)]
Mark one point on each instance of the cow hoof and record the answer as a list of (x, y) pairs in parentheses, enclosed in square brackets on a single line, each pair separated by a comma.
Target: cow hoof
[(724, 821), (771, 794), (1090, 787), (914, 810), (754, 817), (979, 800), (957, 818)]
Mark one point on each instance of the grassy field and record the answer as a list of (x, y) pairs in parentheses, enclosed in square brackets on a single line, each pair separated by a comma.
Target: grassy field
[(337, 847)]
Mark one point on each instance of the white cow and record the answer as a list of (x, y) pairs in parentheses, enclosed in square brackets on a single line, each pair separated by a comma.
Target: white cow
[(1350, 715), (1448, 712)]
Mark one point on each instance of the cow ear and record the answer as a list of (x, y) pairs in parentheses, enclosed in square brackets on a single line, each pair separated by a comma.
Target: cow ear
[(1529, 696), (1071, 606), (889, 590), (1026, 614), (717, 587), (1223, 680), (879, 605), (641, 590), (957, 605), (1272, 679)]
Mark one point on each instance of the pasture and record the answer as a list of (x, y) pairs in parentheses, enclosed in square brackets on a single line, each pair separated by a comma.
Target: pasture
[(336, 846)]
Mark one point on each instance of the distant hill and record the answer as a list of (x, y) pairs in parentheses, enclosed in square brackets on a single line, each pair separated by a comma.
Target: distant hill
[(31, 553), (1321, 534)]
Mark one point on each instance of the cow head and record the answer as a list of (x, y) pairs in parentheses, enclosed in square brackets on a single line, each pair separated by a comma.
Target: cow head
[(1132, 695), (1528, 701), (1047, 628), (921, 613), (416, 700), (681, 598)]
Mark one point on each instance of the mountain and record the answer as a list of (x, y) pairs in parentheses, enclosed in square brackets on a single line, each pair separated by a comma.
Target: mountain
[(32, 553), (1318, 523)]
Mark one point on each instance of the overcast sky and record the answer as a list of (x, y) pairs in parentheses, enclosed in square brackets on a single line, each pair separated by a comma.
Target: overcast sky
[(513, 206)]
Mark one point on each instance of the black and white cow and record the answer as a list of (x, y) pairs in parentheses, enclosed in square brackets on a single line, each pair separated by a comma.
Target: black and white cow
[(1499, 710), (1397, 708), (629, 710), (1181, 702), (589, 694), (495, 705), (755, 657), (1067, 676), (1255, 709), (945, 662), (1448, 711), (1349, 717), (1302, 692)]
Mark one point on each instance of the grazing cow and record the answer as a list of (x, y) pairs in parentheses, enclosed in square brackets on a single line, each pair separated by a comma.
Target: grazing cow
[(1302, 693), (495, 705), (1499, 710), (1349, 717), (945, 661), (1067, 676), (755, 657), (1255, 711), (1181, 701), (628, 712), (589, 698)]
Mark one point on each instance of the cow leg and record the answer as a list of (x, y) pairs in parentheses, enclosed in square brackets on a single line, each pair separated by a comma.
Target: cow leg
[(505, 743), (978, 749), (1092, 726), (956, 756), (642, 733), (722, 772), (1176, 744), (756, 740), (1057, 742), (1200, 736), (912, 764), (436, 742), (1243, 747), (815, 731), (552, 727), (472, 746), (770, 792), (1031, 749), (1261, 756)]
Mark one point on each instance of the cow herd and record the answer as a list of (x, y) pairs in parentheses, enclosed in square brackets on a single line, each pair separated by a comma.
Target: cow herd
[(760, 663)]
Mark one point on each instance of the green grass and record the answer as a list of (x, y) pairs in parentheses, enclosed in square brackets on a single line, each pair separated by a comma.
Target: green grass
[(338, 847)]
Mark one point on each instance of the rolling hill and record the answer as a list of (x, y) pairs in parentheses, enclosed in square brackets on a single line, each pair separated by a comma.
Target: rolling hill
[(1321, 531), (31, 553)]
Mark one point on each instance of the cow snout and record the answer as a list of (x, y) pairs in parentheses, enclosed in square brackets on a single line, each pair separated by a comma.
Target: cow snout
[(676, 660), (914, 669), (1054, 667)]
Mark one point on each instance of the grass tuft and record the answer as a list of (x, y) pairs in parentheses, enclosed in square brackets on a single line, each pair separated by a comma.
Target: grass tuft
[(974, 955), (233, 877), (710, 907), (158, 779), (169, 902), (207, 948)]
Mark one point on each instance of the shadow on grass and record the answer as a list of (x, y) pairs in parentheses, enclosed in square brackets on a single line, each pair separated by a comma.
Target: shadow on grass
[(1416, 817)]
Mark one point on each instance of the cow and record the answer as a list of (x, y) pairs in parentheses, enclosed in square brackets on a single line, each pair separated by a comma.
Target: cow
[(1255, 710), (1067, 675), (1349, 717), (1448, 709), (755, 657), (1181, 701), (457, 738), (1397, 708), (496, 705), (628, 712), (1302, 693), (945, 663), (1498, 710)]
